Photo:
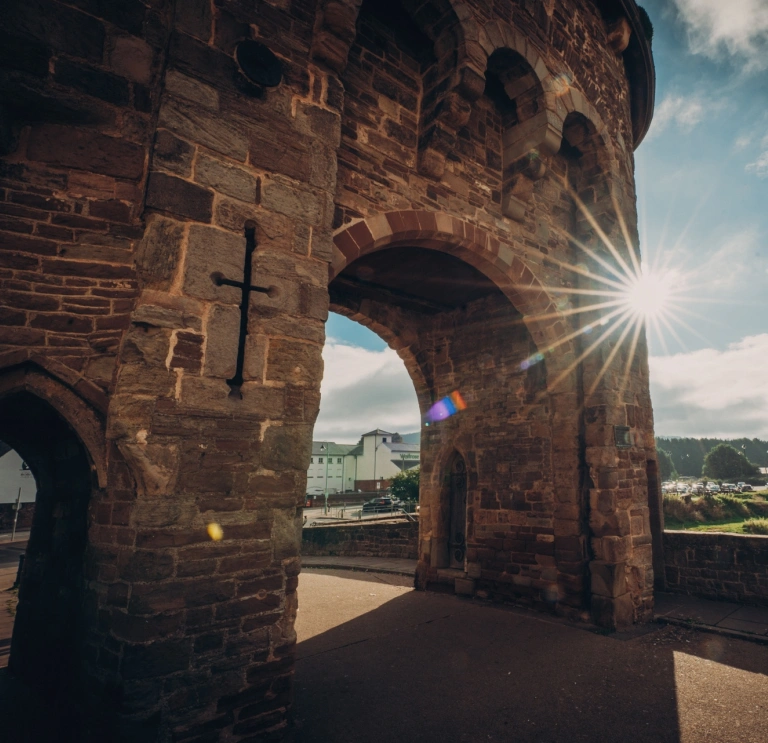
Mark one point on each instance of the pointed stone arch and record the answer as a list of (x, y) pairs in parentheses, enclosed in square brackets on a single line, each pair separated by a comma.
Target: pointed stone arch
[(64, 393), (439, 231)]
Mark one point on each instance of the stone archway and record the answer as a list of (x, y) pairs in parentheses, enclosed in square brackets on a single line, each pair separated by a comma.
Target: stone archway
[(475, 341), (47, 644), (472, 244)]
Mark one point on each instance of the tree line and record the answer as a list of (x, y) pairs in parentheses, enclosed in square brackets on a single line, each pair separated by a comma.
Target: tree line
[(688, 454), (688, 457)]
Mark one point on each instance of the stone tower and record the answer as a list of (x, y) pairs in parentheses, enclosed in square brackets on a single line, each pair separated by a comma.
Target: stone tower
[(456, 175)]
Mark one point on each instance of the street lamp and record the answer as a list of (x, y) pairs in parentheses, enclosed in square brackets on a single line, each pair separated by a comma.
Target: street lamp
[(324, 448)]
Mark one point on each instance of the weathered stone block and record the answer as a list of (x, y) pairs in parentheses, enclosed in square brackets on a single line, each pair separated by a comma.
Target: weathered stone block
[(285, 447), (226, 179), (168, 194), (86, 150), (223, 333), (608, 579), (192, 90), (286, 198), (212, 251), (294, 362), (189, 121), (132, 58), (172, 154)]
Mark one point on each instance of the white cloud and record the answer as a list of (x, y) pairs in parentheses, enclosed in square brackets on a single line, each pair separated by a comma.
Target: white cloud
[(683, 111), (711, 392), (760, 166), (738, 27), (728, 265), (363, 390)]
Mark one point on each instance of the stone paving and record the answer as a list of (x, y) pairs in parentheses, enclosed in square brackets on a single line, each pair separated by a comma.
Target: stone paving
[(750, 620), (365, 564), (381, 663), (725, 617)]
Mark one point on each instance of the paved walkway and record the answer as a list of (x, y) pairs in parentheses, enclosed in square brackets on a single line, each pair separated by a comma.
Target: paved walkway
[(718, 615), (381, 663), (749, 622), (389, 565)]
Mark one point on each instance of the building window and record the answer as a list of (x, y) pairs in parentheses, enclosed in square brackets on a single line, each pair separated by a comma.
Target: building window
[(311, 460), (384, 440), (320, 461), (338, 460)]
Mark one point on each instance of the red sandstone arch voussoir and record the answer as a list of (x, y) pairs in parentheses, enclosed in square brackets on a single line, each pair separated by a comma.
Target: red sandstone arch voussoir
[(472, 244)]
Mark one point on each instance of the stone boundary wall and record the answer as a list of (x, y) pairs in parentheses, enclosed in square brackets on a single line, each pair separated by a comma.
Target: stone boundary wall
[(370, 540), (717, 566)]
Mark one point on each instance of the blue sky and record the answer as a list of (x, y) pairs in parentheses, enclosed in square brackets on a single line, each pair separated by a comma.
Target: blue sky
[(702, 185)]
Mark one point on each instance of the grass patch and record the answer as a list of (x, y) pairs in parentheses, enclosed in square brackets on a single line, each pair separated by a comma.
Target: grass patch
[(755, 526), (724, 513)]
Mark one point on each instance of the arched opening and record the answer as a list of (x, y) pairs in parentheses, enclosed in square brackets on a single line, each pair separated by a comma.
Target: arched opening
[(458, 333), (519, 132), (46, 647), (457, 511)]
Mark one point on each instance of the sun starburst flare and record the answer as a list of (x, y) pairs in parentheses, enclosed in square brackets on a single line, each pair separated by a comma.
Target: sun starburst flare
[(617, 298)]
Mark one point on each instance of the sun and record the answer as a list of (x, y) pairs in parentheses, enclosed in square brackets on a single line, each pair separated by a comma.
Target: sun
[(648, 294)]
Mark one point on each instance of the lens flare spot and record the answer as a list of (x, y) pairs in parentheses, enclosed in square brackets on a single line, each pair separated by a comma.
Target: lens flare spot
[(445, 408), (215, 532)]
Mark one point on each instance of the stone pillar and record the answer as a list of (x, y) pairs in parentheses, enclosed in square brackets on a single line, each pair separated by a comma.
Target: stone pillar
[(203, 631)]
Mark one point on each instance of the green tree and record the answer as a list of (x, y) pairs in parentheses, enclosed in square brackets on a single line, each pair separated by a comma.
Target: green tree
[(405, 485), (666, 466), (726, 463)]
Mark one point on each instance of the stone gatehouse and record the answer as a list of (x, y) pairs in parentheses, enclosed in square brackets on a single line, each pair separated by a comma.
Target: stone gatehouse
[(438, 170)]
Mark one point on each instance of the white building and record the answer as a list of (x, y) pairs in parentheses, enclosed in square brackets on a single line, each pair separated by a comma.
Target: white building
[(332, 468), (368, 465), (15, 475)]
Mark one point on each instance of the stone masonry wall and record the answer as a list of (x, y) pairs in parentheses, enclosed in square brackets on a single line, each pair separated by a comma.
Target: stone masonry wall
[(369, 540), (726, 567), (135, 156), (390, 92)]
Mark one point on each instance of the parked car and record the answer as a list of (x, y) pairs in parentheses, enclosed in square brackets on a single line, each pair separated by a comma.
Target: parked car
[(712, 487), (745, 487), (728, 487), (698, 488), (379, 505)]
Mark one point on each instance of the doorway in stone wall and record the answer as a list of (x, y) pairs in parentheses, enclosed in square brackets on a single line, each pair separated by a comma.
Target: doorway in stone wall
[(46, 644), (457, 533)]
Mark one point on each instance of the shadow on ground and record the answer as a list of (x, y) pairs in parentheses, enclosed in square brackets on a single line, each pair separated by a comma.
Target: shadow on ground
[(429, 667)]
